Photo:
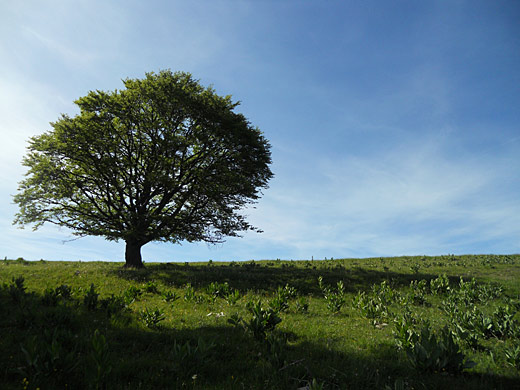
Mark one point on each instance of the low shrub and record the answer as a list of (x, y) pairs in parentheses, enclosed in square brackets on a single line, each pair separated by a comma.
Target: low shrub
[(436, 353), (262, 320), (335, 297)]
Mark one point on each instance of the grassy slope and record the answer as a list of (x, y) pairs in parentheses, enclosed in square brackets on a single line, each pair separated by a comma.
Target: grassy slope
[(342, 350)]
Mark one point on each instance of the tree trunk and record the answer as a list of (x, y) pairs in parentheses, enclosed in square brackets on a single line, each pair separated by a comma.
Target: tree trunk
[(133, 255)]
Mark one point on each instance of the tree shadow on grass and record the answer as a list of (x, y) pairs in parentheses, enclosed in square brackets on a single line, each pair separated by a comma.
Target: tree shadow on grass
[(53, 341), (261, 277)]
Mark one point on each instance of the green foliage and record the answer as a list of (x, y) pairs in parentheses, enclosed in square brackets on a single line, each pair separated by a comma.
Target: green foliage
[(302, 305), (132, 294), (385, 292), (152, 318), (236, 320), (188, 358), (16, 289), (440, 285), (504, 322), (405, 333), (151, 287), (415, 268), (100, 361), (46, 356), (437, 353), (276, 349), (189, 292), (165, 143), (315, 385), (51, 296), (470, 292), (500, 324), (513, 356), (90, 300), (399, 384), (232, 297), (335, 298), (262, 320), (170, 296), (418, 292), (218, 290), (280, 302), (113, 304), (372, 306), (64, 291)]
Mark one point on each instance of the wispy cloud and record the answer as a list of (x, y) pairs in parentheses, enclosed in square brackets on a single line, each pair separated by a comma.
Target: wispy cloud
[(412, 200), (73, 55)]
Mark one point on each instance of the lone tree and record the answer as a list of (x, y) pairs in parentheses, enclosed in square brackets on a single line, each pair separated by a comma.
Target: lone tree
[(163, 159)]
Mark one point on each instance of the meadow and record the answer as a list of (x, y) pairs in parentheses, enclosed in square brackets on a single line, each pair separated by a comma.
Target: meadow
[(445, 322)]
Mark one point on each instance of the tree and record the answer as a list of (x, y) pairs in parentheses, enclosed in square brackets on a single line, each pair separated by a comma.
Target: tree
[(163, 159)]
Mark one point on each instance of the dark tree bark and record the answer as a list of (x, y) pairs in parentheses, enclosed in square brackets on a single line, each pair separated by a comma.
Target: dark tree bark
[(133, 255)]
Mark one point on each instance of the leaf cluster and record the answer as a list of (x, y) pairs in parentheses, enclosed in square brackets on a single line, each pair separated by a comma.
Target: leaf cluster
[(164, 159)]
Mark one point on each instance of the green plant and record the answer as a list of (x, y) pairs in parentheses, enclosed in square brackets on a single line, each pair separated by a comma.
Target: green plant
[(151, 318), (418, 292), (315, 385), (437, 353), (100, 361), (189, 292), (474, 321), (232, 297), (440, 285), (385, 293), (419, 286), (280, 302), (235, 319), (504, 323), (188, 357), (170, 296), (371, 306), (262, 320), (276, 349), (32, 368), (513, 356), (46, 358), (470, 292), (468, 337), (405, 334), (132, 294), (151, 287), (113, 304), (302, 305), (217, 290), (501, 324), (90, 300), (290, 292), (17, 288), (399, 384), (335, 298), (50, 297)]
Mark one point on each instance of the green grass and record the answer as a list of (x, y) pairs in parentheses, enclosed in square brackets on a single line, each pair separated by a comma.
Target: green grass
[(174, 336)]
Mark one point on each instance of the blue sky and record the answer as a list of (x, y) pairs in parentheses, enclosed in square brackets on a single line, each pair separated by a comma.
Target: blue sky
[(395, 126)]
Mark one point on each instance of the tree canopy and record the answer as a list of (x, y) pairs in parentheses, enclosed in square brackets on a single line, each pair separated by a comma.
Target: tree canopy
[(164, 159)]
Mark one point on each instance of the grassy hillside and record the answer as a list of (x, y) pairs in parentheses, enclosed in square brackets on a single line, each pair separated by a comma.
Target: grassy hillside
[(387, 323)]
